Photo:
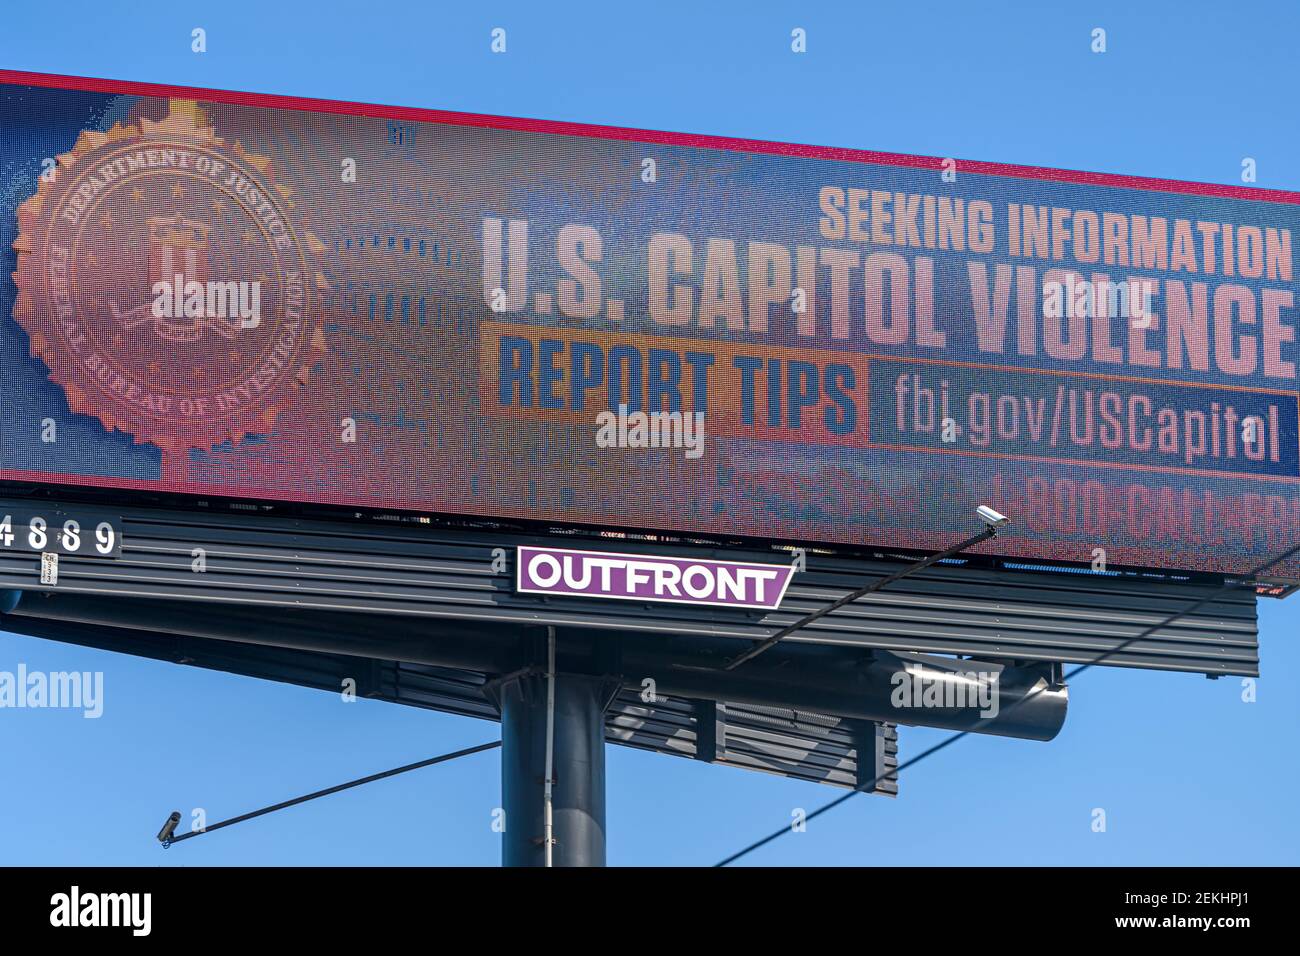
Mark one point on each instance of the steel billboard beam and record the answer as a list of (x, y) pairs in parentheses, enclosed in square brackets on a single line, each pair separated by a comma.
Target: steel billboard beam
[(820, 679), (406, 572)]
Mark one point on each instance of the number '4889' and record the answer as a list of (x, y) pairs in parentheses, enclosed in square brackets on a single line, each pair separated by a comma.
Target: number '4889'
[(38, 534)]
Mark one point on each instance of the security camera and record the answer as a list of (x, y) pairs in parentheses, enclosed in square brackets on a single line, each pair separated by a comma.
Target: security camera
[(992, 518), (169, 828)]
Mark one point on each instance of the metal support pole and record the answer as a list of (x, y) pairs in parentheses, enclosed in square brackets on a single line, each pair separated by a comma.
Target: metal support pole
[(548, 806), (577, 784)]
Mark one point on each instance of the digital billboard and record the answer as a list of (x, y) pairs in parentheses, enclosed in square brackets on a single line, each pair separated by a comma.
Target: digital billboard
[(219, 294)]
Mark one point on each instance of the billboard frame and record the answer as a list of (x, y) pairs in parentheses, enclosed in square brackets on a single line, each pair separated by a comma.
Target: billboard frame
[(587, 729), (99, 488)]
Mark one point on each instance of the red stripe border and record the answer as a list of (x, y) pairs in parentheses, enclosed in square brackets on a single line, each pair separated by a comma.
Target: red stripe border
[(562, 128)]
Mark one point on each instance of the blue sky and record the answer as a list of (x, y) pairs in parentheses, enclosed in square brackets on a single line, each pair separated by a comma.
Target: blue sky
[(1186, 771)]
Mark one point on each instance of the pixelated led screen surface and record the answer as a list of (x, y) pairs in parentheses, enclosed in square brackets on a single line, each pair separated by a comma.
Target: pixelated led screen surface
[(208, 294)]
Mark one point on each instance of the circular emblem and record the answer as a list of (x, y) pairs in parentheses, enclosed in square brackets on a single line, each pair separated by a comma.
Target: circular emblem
[(162, 280)]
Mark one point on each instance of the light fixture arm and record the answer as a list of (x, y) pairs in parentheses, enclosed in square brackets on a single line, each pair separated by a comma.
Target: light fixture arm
[(991, 531)]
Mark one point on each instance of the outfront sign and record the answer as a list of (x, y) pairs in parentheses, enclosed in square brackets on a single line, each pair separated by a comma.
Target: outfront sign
[(221, 294), (646, 577)]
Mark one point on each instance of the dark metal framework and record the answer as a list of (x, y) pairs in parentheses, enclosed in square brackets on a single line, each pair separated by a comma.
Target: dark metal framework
[(784, 741), (413, 571), (427, 615)]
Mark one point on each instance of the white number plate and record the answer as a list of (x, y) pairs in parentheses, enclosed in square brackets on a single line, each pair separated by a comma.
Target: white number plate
[(83, 534)]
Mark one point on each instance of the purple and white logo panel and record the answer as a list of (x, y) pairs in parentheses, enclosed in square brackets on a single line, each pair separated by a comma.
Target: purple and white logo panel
[(643, 577)]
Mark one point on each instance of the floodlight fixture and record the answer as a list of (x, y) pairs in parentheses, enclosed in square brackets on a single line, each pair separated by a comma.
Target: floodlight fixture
[(169, 828)]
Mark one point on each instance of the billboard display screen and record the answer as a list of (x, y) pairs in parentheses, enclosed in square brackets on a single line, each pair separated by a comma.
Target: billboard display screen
[(298, 301)]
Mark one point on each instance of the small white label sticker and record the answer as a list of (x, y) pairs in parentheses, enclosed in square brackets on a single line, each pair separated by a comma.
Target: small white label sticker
[(49, 568)]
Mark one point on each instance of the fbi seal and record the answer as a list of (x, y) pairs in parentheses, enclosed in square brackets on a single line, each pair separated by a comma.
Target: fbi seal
[(162, 279)]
